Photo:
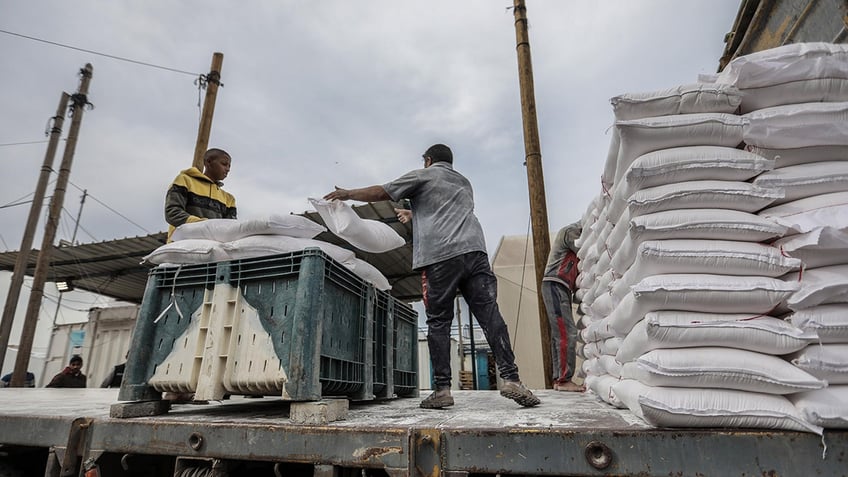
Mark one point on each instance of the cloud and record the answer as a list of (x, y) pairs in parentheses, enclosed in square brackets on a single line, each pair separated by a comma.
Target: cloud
[(318, 94)]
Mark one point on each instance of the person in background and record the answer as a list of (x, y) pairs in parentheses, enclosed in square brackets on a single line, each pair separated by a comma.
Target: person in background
[(71, 376), (196, 196), (558, 287), (29, 382), (449, 248), (115, 377)]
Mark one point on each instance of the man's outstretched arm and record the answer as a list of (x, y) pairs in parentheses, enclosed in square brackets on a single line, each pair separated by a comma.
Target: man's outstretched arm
[(365, 194)]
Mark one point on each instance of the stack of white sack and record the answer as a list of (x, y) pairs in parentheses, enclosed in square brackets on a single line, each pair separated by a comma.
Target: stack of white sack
[(678, 282), (216, 240), (796, 101)]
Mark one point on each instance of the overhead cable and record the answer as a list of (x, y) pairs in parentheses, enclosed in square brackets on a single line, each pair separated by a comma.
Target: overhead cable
[(114, 57)]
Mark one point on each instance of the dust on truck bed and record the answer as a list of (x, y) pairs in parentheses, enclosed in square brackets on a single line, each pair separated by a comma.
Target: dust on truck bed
[(568, 434)]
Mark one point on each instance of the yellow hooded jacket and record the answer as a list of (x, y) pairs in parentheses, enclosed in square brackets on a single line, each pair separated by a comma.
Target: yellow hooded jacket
[(194, 197)]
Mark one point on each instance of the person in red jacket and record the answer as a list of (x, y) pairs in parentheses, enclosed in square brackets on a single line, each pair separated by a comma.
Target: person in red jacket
[(71, 376), (558, 287)]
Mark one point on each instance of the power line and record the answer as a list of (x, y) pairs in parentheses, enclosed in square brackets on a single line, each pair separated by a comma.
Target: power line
[(23, 143), (73, 219), (112, 210), (15, 204), (142, 63)]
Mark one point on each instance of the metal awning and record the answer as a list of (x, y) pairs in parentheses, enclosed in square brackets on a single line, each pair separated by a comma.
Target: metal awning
[(113, 268)]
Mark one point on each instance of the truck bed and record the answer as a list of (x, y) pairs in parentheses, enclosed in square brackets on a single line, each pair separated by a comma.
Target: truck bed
[(568, 434)]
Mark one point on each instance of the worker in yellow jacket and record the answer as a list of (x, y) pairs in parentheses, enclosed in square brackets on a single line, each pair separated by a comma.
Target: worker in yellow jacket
[(196, 196)]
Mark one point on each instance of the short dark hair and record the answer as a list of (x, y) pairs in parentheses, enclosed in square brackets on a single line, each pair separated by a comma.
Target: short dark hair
[(75, 359), (439, 153), (215, 152)]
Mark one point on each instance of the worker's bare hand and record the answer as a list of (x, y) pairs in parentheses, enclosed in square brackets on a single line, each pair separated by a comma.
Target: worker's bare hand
[(403, 215), (339, 193)]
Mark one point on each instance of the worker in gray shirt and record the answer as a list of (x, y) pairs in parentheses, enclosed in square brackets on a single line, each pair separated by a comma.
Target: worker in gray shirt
[(449, 248)]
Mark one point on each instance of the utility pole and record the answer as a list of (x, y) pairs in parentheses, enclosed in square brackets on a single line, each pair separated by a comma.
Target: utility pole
[(535, 178), (79, 102), (213, 80), (29, 232), (59, 300)]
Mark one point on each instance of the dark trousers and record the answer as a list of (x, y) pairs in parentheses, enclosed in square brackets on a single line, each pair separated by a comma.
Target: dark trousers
[(557, 298), (471, 274)]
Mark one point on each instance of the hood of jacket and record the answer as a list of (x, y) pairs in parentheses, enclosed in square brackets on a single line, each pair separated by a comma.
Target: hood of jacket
[(196, 174)]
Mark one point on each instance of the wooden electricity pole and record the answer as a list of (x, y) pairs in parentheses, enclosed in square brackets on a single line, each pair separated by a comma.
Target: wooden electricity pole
[(29, 232), (79, 102), (535, 178), (213, 80)]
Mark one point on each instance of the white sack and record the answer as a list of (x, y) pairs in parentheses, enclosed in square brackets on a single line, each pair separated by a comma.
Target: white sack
[(818, 258), (824, 361), (611, 163), (641, 136), (592, 350), (709, 224), (683, 164), (735, 195), (684, 329), (699, 292), (610, 365), (721, 257), (787, 63), (795, 92), (808, 214), (597, 331), (818, 286), (798, 125), (190, 251), (801, 155), (820, 238), (682, 407), (227, 230), (722, 368), (806, 180), (827, 407), (829, 322), (262, 245), (684, 99), (593, 367), (820, 247), (691, 163), (603, 304), (369, 273), (601, 385), (368, 235)]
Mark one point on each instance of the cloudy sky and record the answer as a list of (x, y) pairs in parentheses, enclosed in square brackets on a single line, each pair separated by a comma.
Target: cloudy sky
[(331, 92)]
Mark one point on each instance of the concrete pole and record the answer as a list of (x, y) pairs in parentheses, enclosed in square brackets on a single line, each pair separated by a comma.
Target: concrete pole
[(59, 300), (80, 100), (213, 80), (535, 178), (29, 232)]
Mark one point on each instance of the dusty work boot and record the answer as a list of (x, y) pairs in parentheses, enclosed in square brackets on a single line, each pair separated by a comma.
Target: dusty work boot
[(519, 393), (438, 399)]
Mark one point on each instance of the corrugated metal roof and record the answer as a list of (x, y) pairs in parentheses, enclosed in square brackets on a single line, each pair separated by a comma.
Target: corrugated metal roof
[(113, 268), (110, 268)]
